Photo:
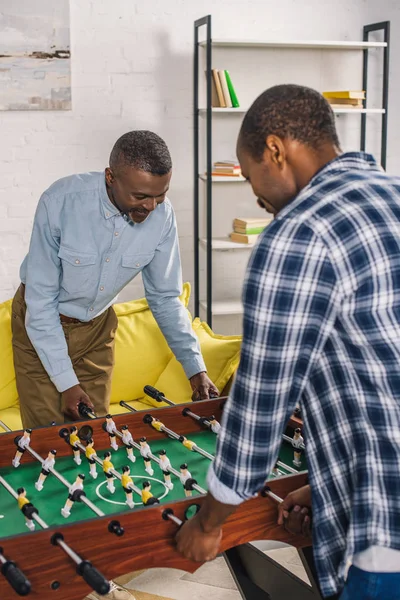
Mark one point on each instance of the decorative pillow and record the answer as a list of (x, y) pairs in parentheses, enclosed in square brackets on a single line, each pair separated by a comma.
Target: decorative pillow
[(221, 355), (8, 389), (141, 351)]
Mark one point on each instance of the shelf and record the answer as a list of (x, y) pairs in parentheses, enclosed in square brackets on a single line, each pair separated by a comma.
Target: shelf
[(225, 244), (338, 111), (307, 44), (222, 179), (227, 307)]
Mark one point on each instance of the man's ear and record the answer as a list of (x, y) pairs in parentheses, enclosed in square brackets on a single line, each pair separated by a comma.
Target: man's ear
[(276, 149), (109, 176)]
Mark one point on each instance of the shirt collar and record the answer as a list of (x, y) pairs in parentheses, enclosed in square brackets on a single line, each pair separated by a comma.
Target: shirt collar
[(348, 161), (107, 207)]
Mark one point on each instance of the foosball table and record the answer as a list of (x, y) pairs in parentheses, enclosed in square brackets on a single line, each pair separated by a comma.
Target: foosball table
[(84, 503)]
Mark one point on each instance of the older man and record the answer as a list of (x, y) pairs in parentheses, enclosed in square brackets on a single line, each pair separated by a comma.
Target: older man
[(92, 234)]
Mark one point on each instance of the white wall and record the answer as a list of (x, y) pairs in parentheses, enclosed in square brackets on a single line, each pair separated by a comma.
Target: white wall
[(132, 68)]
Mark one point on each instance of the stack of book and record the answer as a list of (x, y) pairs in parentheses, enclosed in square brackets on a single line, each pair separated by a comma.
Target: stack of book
[(247, 230), (223, 94), (226, 168), (345, 98)]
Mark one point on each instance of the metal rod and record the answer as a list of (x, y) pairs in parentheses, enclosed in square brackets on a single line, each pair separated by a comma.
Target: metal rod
[(4, 426), (196, 171), (175, 519), (209, 171), (14, 494), (268, 492), (71, 553), (195, 447), (284, 466), (125, 405)]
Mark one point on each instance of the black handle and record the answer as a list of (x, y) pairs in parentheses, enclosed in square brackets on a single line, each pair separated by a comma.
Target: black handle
[(153, 393), (93, 578), (16, 578), (85, 411)]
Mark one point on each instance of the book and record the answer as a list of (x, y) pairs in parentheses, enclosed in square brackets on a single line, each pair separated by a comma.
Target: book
[(346, 101), (214, 94), (250, 230), (251, 222), (347, 107), (224, 85), (353, 94), (234, 98), (218, 87), (242, 238)]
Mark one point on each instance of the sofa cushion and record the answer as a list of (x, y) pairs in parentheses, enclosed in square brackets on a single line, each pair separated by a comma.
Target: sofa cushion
[(141, 351), (221, 355), (8, 389)]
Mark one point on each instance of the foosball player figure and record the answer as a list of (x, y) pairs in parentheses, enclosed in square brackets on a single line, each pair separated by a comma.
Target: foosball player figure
[(111, 429), (187, 443), (26, 507), (215, 426), (297, 442), (147, 497), (73, 441), (186, 480), (22, 445), (107, 467), (127, 482), (90, 454), (275, 470), (74, 495), (47, 464), (127, 439), (145, 452), (165, 466)]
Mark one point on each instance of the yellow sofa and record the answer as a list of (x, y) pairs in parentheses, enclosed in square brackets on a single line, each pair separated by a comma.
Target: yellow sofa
[(142, 356)]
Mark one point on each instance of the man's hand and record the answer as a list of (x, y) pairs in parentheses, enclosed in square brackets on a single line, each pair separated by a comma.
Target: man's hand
[(202, 386), (70, 400), (294, 511), (196, 544)]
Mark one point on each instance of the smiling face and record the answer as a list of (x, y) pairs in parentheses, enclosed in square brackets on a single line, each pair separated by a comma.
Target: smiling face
[(136, 193), (272, 178)]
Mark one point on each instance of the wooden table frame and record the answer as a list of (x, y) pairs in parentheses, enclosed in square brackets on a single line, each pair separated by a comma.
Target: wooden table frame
[(148, 540)]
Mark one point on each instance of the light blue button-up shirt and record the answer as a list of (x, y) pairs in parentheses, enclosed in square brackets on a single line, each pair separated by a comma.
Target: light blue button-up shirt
[(82, 253)]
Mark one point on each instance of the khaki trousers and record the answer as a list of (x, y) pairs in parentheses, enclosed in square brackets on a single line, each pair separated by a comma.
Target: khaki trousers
[(91, 349)]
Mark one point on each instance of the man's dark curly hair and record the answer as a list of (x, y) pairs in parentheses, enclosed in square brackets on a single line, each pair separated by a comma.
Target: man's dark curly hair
[(143, 150), (288, 111)]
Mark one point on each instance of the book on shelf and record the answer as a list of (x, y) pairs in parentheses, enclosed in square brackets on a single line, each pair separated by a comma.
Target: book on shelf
[(251, 223), (242, 238), (348, 94), (218, 87), (226, 168), (225, 90), (223, 94), (346, 101)]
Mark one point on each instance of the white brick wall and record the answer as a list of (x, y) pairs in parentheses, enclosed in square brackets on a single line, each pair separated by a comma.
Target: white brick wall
[(132, 68)]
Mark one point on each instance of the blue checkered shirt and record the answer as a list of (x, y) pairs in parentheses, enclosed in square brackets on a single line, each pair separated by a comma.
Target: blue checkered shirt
[(322, 328)]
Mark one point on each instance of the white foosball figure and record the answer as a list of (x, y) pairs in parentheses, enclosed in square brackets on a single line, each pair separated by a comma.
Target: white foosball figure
[(145, 452), (186, 480), (215, 426), (297, 443), (165, 466), (47, 464), (22, 445), (73, 495), (111, 429), (127, 439)]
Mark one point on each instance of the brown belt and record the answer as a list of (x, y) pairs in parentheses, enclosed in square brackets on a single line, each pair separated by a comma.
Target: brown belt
[(63, 318)]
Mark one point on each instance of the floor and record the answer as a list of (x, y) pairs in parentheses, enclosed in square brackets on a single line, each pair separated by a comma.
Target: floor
[(212, 581)]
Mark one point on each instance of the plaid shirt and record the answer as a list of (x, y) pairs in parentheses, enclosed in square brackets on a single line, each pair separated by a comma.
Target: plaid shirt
[(322, 328)]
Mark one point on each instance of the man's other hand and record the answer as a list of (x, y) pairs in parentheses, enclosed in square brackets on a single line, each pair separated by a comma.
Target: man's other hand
[(294, 512), (70, 399), (202, 386)]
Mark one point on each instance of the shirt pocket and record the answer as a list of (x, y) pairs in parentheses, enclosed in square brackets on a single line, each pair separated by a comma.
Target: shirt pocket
[(130, 266), (79, 273)]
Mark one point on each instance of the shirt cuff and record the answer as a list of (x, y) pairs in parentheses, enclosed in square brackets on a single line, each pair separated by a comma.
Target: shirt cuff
[(65, 380), (220, 491), (194, 366)]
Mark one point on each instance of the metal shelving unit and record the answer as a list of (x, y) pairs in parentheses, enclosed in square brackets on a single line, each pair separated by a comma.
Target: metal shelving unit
[(208, 112)]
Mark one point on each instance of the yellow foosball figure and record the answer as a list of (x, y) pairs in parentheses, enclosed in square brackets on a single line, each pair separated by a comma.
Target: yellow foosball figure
[(107, 468), (26, 507), (73, 440), (127, 482), (90, 454), (147, 497)]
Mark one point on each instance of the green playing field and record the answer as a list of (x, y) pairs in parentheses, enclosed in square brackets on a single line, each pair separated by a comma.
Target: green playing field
[(54, 494)]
